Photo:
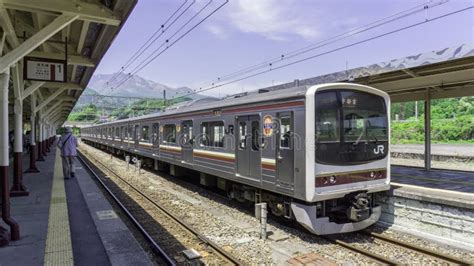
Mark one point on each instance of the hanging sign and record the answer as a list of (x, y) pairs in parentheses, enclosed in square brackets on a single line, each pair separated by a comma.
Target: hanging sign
[(267, 125), (43, 69)]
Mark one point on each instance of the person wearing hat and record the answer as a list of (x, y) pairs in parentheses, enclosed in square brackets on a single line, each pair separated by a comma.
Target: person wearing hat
[(68, 145)]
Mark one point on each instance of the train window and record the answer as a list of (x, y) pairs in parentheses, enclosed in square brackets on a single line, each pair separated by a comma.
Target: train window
[(117, 132), (242, 135), (212, 134), (255, 135), (146, 133), (155, 130), (327, 112), (129, 133), (169, 133), (285, 132), (136, 133), (124, 132)]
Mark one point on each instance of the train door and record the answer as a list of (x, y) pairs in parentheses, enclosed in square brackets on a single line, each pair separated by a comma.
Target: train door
[(248, 154), (136, 135), (285, 150), (187, 142), (155, 136)]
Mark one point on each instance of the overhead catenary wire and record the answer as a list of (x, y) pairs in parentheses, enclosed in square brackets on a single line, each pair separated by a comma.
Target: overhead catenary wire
[(288, 55), (147, 46), (332, 50), (160, 30), (147, 62)]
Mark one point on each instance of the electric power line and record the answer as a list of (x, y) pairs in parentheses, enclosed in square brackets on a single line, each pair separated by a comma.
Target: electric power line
[(334, 50)]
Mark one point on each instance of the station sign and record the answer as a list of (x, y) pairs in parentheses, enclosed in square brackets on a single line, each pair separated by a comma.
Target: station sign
[(44, 69)]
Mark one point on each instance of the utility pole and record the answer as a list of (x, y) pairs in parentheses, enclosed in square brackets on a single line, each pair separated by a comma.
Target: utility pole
[(164, 98)]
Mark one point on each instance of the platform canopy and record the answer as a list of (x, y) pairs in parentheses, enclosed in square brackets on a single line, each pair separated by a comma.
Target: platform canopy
[(444, 73), (40, 29)]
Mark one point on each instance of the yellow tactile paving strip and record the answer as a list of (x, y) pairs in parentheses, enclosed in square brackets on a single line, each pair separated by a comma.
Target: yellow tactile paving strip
[(58, 241)]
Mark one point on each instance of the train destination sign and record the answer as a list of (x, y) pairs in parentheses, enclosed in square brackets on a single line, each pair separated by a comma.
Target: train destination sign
[(43, 69)]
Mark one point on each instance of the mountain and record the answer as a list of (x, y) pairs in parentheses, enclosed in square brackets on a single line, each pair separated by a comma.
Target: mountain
[(135, 86)]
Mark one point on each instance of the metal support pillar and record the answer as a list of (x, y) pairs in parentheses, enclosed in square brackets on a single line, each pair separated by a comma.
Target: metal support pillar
[(43, 137), (18, 188), (40, 142), (427, 130), (46, 139), (33, 151), (4, 161)]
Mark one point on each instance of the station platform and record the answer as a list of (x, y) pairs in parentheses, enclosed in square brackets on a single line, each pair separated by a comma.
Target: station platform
[(68, 221), (457, 181)]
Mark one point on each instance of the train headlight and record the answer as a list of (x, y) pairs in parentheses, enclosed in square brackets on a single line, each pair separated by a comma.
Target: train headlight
[(332, 179), (325, 180), (372, 175)]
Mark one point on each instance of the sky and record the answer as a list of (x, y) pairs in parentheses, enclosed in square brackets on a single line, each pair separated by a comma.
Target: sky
[(247, 32)]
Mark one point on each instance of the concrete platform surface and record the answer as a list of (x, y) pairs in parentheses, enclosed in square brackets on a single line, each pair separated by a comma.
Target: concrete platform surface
[(96, 236), (457, 181)]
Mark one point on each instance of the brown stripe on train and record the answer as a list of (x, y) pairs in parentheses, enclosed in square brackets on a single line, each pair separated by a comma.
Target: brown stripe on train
[(323, 181), (216, 157), (268, 166)]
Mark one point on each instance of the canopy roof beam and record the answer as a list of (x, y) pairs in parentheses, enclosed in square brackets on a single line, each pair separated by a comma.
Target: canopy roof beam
[(84, 11), (34, 41)]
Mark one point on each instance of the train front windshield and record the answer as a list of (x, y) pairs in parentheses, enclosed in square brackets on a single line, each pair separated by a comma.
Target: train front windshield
[(351, 127)]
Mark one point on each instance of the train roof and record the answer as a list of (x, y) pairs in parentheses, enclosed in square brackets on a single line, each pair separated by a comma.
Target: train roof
[(261, 95)]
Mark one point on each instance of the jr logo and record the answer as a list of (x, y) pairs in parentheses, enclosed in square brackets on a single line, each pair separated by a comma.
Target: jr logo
[(379, 149)]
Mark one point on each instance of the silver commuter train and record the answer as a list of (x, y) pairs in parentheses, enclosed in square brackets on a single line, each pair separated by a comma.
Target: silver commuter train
[(314, 154)]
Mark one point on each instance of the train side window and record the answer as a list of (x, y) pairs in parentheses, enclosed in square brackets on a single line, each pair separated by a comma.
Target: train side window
[(255, 135), (136, 134), (124, 132), (285, 132), (212, 134), (117, 132), (155, 135), (169, 133), (242, 135), (146, 133)]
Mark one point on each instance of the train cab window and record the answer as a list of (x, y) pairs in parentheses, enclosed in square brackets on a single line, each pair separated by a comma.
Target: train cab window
[(146, 133), (242, 135), (212, 134), (327, 117), (169, 133), (285, 132), (154, 134), (255, 135)]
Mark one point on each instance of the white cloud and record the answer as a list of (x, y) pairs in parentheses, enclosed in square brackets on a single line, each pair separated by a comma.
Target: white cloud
[(217, 30), (274, 19)]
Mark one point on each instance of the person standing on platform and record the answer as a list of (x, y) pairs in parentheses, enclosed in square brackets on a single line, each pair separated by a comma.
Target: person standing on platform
[(68, 146)]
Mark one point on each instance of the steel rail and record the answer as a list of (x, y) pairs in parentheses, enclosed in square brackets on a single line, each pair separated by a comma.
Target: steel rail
[(156, 248), (362, 251), (204, 239), (445, 257)]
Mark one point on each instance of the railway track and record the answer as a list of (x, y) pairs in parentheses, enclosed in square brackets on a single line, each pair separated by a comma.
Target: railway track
[(160, 240), (448, 259), (395, 244)]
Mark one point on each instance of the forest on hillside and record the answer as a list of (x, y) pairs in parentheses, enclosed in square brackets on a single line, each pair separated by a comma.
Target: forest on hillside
[(452, 121), (92, 113)]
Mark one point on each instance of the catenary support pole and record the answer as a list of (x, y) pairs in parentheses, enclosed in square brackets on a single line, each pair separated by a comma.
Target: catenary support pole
[(427, 130), (18, 188), (33, 151), (4, 162)]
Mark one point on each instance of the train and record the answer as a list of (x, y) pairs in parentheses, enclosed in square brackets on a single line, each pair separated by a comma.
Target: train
[(315, 154)]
